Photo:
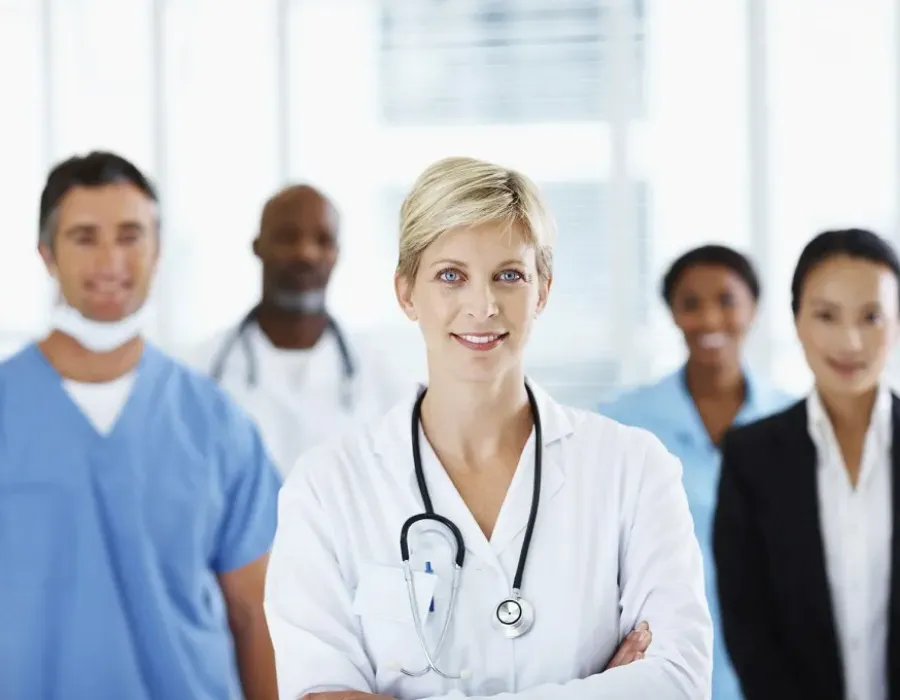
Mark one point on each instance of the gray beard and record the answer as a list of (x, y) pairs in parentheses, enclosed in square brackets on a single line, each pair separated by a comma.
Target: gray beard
[(301, 303)]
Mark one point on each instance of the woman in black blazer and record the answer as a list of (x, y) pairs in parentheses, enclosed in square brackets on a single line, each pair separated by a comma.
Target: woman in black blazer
[(809, 498)]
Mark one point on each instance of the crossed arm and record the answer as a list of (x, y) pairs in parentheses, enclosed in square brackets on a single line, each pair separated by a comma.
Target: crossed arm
[(631, 649), (317, 645)]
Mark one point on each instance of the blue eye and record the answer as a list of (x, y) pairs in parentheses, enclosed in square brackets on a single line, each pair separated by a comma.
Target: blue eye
[(449, 275), (510, 276)]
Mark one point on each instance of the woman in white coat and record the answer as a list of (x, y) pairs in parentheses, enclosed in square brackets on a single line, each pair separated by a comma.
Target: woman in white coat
[(575, 529)]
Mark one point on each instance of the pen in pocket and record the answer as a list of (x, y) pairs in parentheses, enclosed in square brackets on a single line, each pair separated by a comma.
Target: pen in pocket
[(429, 570)]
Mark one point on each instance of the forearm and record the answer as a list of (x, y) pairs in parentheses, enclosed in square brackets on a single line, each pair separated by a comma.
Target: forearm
[(255, 657), (649, 678)]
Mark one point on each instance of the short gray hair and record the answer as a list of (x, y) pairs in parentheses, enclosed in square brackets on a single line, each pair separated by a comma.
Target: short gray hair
[(96, 169)]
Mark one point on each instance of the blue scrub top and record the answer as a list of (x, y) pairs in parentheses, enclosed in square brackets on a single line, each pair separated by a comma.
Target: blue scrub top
[(667, 410), (110, 545)]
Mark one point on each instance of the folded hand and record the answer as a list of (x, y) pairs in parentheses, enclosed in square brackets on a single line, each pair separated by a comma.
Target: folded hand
[(632, 647)]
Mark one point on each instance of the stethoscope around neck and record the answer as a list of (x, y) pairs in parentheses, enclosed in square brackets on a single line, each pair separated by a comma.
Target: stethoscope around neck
[(513, 616), (242, 336)]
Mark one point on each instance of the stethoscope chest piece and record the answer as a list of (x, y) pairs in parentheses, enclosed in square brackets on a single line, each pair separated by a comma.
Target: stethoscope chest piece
[(514, 617)]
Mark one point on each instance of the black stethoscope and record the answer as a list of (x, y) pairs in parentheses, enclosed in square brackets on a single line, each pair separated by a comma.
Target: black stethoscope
[(514, 616), (348, 368)]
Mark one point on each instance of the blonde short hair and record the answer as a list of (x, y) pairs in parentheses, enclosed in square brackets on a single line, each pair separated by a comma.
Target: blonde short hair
[(458, 193)]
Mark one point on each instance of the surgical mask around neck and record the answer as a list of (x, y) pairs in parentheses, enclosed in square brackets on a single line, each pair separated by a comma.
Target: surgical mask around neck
[(303, 303), (98, 336)]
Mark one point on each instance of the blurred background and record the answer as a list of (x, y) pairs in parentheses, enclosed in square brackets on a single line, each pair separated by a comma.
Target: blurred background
[(652, 126)]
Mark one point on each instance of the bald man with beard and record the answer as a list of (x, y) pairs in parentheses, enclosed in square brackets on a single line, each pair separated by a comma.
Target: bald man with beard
[(289, 363)]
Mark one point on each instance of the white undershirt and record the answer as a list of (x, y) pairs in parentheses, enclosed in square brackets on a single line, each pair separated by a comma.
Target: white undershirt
[(289, 365), (856, 527), (102, 402)]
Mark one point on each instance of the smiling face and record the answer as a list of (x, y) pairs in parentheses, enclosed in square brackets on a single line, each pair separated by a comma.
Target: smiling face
[(475, 296), (847, 322), (714, 309), (105, 250)]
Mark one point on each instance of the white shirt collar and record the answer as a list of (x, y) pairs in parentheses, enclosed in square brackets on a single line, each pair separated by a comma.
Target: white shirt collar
[(880, 423)]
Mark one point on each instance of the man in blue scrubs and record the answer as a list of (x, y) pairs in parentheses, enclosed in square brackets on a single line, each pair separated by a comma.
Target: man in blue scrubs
[(137, 503)]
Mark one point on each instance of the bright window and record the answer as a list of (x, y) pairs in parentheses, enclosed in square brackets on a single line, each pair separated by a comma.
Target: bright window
[(24, 291), (834, 151), (518, 82), (220, 107), (692, 150), (102, 79), (644, 121)]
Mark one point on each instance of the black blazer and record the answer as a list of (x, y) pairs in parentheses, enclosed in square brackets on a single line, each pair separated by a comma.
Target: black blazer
[(775, 600)]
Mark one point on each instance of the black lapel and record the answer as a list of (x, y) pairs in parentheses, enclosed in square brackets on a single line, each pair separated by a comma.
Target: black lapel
[(802, 526), (893, 651)]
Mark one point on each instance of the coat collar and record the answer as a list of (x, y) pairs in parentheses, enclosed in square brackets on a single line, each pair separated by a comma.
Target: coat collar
[(392, 443), (880, 424), (760, 400), (395, 430)]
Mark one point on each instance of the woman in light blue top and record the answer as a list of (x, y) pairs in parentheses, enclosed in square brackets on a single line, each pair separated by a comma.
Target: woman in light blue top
[(712, 292)]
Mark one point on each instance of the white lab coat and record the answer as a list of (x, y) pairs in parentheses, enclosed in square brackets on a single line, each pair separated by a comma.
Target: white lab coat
[(613, 545), (292, 419)]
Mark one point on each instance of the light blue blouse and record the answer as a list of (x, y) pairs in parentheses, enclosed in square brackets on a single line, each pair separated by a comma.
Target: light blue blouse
[(666, 409)]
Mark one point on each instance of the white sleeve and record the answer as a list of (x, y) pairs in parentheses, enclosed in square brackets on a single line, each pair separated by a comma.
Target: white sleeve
[(661, 573), (308, 603)]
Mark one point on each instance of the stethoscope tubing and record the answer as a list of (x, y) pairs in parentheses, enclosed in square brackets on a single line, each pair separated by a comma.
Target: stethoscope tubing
[(458, 542), (241, 335)]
